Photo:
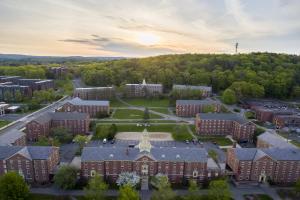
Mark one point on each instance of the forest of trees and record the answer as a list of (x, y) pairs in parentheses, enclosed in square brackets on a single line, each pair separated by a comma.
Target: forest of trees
[(248, 75)]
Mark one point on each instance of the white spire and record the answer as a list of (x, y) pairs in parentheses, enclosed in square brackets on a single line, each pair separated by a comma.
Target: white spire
[(144, 82), (145, 144)]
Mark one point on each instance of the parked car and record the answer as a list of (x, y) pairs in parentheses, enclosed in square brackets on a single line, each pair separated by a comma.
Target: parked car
[(187, 141), (112, 141), (104, 141)]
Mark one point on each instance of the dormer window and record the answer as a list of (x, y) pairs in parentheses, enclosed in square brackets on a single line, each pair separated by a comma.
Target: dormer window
[(195, 173)]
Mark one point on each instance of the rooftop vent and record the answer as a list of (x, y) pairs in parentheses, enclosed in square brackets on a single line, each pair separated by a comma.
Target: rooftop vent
[(163, 155), (177, 156), (111, 155)]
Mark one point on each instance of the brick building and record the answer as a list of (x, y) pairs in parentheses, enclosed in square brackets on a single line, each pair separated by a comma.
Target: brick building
[(12, 90), (95, 93), (269, 140), (35, 84), (34, 163), (280, 165), (179, 164), (224, 124), (189, 108), (282, 121), (76, 123), (143, 90), (206, 90), (58, 72), (13, 137), (92, 107)]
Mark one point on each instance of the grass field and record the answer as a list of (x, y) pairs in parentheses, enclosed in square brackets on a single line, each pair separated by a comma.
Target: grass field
[(4, 123), (220, 140), (161, 110), (148, 102), (132, 114), (179, 131), (47, 197), (116, 103)]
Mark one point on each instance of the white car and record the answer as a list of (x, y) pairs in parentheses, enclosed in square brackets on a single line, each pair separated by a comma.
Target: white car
[(104, 141)]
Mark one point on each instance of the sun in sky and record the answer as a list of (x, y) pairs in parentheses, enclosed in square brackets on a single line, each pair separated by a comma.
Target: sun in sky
[(147, 39)]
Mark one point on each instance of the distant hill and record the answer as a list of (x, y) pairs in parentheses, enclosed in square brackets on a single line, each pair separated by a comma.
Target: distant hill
[(17, 59)]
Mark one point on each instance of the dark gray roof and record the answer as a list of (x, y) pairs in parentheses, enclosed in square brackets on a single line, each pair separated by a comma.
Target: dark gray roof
[(68, 116), (31, 152), (7, 151), (223, 116), (195, 102), (43, 118), (274, 153), (192, 87), (40, 152), (9, 137), (166, 153), (275, 140), (93, 88), (78, 101)]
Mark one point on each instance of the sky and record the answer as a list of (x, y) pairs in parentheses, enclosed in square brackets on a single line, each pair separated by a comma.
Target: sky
[(138, 28)]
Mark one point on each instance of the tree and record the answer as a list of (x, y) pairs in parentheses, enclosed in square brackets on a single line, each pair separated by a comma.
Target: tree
[(194, 192), (219, 190), (18, 96), (81, 140), (128, 193), (229, 97), (213, 154), (61, 134), (128, 178), (112, 131), (297, 187), (66, 177), (164, 190), (13, 187), (146, 116), (8, 96), (96, 188)]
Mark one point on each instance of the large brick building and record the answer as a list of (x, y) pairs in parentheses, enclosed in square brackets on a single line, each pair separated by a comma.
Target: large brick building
[(93, 108), (206, 90), (35, 84), (13, 137), (143, 90), (95, 93), (178, 164), (269, 140), (282, 121), (189, 108), (76, 123), (10, 91), (279, 165), (224, 124), (34, 163)]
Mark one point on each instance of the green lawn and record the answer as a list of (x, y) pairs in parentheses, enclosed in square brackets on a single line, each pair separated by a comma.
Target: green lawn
[(220, 140), (179, 131), (132, 114), (116, 103), (47, 197), (161, 110), (4, 123), (148, 102)]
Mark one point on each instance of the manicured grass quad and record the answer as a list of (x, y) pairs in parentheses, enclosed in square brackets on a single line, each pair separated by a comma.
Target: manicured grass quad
[(3, 123), (219, 140), (148, 102), (132, 114)]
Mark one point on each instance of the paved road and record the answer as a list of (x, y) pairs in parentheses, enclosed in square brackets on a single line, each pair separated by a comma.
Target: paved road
[(77, 83), (12, 116), (21, 123)]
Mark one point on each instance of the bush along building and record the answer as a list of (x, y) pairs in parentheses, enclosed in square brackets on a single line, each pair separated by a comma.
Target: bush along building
[(36, 164), (189, 108), (224, 124), (179, 164), (95, 93), (75, 122), (143, 90), (91, 107)]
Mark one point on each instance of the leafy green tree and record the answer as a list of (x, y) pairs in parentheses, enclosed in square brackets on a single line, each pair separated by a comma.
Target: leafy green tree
[(213, 154), (193, 192), (81, 140), (219, 190), (8, 96), (66, 177), (96, 189), (146, 116), (164, 190), (229, 97), (13, 187), (112, 131), (128, 193), (62, 134), (18, 96)]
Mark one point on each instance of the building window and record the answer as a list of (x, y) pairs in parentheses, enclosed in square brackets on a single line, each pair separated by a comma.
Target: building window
[(93, 173)]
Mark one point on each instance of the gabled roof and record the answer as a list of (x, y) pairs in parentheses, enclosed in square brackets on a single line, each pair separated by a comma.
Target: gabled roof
[(275, 140), (78, 101), (30, 152), (7, 151), (9, 137), (108, 153), (223, 116)]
